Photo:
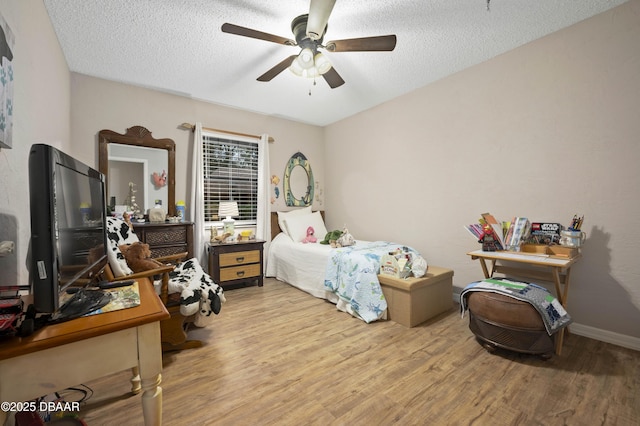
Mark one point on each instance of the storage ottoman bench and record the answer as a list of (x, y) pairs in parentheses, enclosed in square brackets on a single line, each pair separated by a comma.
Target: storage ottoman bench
[(412, 301), (498, 320)]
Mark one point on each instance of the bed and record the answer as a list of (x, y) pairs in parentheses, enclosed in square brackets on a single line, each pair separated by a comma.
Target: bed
[(319, 269)]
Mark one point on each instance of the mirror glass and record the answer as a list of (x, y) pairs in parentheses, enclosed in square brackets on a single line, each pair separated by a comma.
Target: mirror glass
[(137, 162), (298, 181), (144, 168)]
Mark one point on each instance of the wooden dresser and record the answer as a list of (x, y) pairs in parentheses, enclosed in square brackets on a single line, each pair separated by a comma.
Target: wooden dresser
[(166, 238), (236, 263)]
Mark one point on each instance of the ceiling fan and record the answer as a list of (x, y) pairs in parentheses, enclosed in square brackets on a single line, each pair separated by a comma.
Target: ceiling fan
[(309, 31)]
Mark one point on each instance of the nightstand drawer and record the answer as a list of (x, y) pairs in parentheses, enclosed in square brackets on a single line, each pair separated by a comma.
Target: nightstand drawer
[(239, 258), (240, 272)]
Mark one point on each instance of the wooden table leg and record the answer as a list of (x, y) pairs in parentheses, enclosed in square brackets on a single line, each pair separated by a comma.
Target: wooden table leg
[(135, 381), (150, 367), (561, 295), (484, 268)]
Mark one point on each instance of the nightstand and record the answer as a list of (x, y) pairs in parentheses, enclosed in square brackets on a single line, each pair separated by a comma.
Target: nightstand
[(236, 263)]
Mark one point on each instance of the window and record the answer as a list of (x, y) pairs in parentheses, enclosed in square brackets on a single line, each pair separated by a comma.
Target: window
[(230, 174)]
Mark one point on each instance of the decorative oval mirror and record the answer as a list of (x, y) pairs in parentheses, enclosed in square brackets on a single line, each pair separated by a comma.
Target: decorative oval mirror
[(298, 181)]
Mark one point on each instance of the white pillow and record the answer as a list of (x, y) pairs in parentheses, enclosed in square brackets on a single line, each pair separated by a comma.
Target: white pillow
[(298, 225), (283, 215)]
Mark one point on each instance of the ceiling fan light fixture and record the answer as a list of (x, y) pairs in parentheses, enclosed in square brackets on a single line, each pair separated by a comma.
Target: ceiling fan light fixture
[(310, 72), (305, 58), (322, 63), (296, 68)]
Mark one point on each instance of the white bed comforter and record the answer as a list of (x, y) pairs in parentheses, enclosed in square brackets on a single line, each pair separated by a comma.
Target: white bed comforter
[(320, 271), (301, 265)]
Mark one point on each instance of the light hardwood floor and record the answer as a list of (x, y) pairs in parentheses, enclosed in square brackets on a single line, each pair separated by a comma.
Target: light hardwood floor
[(277, 356)]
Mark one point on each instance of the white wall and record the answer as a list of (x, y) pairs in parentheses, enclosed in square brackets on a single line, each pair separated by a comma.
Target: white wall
[(547, 131), (98, 104), (41, 115)]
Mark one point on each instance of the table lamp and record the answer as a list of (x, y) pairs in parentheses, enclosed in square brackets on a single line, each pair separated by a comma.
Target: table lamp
[(228, 209)]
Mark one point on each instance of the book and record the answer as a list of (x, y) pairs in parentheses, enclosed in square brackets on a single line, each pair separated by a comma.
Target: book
[(545, 233), (477, 229), (497, 227), (518, 233)]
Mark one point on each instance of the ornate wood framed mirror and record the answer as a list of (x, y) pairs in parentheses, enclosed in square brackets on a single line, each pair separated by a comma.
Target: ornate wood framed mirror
[(138, 147)]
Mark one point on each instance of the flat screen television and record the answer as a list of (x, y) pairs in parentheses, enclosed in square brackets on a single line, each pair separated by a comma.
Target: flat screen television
[(68, 217)]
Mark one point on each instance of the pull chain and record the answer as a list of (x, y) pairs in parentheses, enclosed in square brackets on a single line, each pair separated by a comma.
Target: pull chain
[(314, 83)]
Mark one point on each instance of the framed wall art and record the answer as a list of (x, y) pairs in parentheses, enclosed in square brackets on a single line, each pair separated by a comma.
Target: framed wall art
[(6, 84)]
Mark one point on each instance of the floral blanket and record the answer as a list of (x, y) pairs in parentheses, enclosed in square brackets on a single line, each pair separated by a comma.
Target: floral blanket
[(553, 314), (352, 274)]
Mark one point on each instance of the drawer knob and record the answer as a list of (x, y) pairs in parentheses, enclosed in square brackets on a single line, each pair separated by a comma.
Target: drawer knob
[(240, 273), (240, 259)]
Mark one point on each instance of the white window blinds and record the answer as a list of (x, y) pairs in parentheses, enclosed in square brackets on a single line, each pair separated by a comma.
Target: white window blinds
[(230, 174)]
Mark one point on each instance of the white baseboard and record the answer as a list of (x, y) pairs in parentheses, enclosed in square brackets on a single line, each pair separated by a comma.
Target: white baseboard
[(606, 336), (595, 333)]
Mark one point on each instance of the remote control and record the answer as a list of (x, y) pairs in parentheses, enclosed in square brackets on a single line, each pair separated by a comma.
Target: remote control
[(107, 285)]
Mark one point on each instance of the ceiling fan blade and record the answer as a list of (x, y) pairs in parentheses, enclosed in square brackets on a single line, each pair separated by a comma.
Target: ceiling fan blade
[(333, 78), (283, 65), (319, 11), (365, 44), (248, 32)]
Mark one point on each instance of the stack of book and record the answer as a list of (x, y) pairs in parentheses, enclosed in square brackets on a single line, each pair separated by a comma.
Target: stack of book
[(509, 235)]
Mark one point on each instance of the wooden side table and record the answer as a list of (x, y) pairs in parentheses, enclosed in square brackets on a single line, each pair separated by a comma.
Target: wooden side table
[(236, 263), (555, 269)]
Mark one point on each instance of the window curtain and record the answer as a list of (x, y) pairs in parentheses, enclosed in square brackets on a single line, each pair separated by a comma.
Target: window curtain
[(197, 197), (263, 219)]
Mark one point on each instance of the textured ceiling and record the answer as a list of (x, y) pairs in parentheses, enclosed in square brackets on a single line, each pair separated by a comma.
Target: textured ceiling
[(177, 46)]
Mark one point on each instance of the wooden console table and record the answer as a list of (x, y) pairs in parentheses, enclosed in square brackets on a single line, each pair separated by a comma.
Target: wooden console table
[(62, 355), (555, 269)]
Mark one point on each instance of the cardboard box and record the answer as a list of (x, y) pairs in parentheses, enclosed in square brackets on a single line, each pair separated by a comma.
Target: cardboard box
[(412, 301)]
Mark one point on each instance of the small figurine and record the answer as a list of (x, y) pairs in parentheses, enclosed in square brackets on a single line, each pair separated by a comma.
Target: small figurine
[(488, 239), (127, 219)]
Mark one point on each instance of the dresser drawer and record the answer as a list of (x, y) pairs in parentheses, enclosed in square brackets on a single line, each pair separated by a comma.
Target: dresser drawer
[(239, 258), (239, 272), (174, 235), (168, 251)]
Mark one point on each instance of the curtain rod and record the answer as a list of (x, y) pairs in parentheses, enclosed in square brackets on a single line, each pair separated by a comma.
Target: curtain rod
[(192, 127)]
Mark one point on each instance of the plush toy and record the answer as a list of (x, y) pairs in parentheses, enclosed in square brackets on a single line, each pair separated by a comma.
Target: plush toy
[(310, 238), (346, 239), (138, 257), (331, 237), (159, 179)]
